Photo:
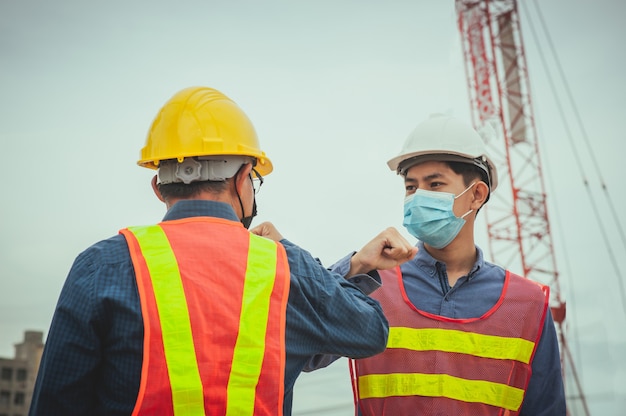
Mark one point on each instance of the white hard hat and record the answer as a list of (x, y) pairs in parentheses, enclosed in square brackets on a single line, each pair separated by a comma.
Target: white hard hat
[(446, 139)]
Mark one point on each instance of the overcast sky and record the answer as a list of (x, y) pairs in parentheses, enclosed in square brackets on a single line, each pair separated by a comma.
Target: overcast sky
[(333, 88)]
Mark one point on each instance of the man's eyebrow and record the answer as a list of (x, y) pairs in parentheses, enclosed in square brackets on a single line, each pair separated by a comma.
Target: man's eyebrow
[(426, 178), (435, 175)]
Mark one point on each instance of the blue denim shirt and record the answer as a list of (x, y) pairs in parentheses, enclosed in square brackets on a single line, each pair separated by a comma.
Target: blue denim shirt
[(426, 283), (92, 359)]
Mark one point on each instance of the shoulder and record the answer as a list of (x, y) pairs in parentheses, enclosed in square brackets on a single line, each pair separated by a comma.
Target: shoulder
[(99, 272), (104, 264), (113, 250), (530, 286)]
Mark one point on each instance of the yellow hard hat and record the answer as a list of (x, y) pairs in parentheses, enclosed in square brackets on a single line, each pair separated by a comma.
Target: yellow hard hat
[(201, 121)]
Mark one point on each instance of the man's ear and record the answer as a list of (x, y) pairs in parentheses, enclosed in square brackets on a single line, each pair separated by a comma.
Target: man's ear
[(481, 192), (155, 188), (242, 177)]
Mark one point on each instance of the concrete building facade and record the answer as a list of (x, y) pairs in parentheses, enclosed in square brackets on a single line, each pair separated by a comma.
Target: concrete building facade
[(18, 375)]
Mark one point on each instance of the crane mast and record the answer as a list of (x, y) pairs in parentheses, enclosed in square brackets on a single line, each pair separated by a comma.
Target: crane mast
[(518, 226)]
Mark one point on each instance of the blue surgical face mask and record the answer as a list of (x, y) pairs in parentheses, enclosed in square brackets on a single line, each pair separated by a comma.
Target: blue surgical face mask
[(429, 217)]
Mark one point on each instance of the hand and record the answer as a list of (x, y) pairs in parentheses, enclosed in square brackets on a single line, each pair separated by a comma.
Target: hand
[(387, 250), (267, 230)]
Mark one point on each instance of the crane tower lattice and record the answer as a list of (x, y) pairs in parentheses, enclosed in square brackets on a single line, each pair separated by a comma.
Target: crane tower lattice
[(518, 226)]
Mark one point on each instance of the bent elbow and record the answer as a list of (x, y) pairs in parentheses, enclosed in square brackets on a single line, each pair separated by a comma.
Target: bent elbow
[(376, 335), (382, 339)]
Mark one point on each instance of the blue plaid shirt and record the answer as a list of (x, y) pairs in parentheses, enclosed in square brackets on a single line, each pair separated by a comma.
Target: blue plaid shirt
[(92, 360)]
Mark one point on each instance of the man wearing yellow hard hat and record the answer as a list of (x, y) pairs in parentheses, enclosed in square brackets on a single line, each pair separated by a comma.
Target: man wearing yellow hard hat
[(197, 315)]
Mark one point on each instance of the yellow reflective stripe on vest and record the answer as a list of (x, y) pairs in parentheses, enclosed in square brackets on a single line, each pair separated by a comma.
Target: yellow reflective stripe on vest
[(440, 385), (180, 355), (250, 345), (487, 346)]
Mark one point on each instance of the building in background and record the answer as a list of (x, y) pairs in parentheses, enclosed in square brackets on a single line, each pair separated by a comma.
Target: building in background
[(18, 375)]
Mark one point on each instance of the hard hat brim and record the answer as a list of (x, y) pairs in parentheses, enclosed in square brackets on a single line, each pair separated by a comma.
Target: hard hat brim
[(404, 162)]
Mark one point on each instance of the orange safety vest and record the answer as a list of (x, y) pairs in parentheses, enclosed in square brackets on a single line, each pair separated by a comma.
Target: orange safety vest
[(434, 365), (213, 300)]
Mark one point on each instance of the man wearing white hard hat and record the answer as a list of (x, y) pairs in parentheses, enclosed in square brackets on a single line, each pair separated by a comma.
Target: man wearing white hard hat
[(466, 336)]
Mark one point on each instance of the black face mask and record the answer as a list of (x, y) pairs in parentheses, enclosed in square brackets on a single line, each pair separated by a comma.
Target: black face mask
[(246, 221)]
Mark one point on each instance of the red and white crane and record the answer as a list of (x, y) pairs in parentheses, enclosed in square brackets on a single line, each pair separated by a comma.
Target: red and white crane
[(518, 225)]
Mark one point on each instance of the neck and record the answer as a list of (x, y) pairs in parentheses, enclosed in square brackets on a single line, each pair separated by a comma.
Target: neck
[(202, 196), (459, 257)]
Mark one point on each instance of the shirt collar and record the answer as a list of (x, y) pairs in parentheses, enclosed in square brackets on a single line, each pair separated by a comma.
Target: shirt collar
[(200, 208), (428, 263)]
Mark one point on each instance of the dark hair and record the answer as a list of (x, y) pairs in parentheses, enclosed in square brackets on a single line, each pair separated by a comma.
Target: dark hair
[(470, 173), (180, 190)]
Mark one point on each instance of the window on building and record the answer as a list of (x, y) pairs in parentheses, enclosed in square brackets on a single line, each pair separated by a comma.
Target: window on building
[(5, 398), (7, 373), (20, 374), (18, 399)]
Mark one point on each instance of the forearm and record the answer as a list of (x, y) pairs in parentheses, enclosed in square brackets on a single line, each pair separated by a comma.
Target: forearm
[(335, 315), (366, 282)]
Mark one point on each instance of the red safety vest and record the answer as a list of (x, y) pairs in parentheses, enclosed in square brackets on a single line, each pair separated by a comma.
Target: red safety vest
[(435, 365), (213, 300)]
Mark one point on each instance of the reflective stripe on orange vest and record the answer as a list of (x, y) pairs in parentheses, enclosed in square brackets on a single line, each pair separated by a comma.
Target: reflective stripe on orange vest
[(174, 305), (180, 354), (455, 366), (250, 346)]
